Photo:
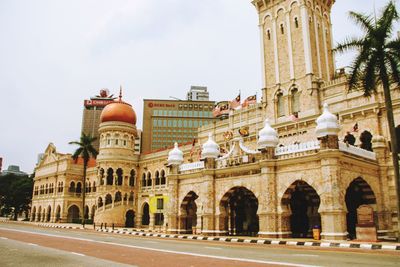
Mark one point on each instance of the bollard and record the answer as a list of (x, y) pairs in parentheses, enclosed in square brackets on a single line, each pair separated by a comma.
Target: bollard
[(94, 226), (101, 226), (113, 226), (105, 226)]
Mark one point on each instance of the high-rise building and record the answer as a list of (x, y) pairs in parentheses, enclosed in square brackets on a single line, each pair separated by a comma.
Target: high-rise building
[(169, 121), (91, 114), (198, 93)]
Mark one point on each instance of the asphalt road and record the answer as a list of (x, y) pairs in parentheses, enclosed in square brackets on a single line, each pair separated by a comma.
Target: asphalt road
[(27, 245)]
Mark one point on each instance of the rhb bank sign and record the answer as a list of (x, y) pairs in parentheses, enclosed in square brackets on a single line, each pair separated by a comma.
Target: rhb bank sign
[(160, 105)]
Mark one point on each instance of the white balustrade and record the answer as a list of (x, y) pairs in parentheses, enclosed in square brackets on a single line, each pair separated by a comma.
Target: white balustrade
[(191, 166), (356, 151), (301, 147)]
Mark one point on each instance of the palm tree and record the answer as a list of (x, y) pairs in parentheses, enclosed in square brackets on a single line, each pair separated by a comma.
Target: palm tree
[(377, 63), (86, 151)]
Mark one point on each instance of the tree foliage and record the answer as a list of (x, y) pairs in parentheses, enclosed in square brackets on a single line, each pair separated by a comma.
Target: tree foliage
[(15, 193)]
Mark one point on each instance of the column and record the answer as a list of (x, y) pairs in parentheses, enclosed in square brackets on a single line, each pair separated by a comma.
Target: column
[(306, 38)]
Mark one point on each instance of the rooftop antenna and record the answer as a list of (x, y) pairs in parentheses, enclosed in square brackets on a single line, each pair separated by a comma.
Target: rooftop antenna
[(120, 92), (375, 12)]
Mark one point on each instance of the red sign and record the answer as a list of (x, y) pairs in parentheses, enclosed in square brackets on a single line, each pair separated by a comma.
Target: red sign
[(159, 105), (97, 103)]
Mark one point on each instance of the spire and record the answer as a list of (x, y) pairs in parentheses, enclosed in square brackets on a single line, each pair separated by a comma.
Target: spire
[(120, 93)]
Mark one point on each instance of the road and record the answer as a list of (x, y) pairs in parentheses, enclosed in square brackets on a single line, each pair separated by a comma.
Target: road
[(28, 245)]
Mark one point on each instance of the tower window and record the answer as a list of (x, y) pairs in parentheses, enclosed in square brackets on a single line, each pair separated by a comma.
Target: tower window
[(282, 29), (269, 34), (296, 22)]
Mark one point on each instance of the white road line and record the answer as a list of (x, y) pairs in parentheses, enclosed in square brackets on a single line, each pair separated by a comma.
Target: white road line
[(151, 242), (212, 247), (167, 251), (304, 255), (31, 244), (4, 238), (78, 254)]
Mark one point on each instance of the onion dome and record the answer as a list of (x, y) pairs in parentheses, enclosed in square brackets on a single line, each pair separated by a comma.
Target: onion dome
[(327, 123), (175, 156), (118, 111), (210, 149), (267, 137)]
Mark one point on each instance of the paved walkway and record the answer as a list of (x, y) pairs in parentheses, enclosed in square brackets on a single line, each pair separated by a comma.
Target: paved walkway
[(353, 244)]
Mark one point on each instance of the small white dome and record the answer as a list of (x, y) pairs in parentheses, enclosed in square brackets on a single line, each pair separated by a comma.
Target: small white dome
[(267, 136), (327, 123), (175, 156), (210, 149)]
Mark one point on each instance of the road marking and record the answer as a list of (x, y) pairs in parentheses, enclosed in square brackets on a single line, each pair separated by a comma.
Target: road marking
[(212, 247), (166, 250), (304, 255), (4, 238), (151, 242), (31, 244), (78, 254)]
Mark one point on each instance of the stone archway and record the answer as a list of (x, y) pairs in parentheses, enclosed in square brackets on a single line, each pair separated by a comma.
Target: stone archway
[(48, 214), (73, 214), (145, 214), (301, 203), (39, 214), (239, 211), (188, 216), (58, 213), (93, 213), (358, 193), (86, 214), (130, 218)]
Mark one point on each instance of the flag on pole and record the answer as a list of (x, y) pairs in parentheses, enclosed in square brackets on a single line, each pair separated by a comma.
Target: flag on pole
[(193, 147), (294, 117), (249, 100), (235, 103)]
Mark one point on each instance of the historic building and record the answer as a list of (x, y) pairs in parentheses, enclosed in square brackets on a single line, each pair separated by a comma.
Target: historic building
[(288, 171)]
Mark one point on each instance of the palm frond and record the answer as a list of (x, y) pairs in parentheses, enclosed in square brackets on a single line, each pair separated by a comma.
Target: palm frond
[(369, 75), (386, 21), (394, 64), (366, 22), (349, 44), (394, 45)]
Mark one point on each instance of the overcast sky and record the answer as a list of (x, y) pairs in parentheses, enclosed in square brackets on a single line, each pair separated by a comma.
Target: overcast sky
[(55, 54)]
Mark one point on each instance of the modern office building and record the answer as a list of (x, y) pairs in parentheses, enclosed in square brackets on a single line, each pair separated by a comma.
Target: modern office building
[(198, 93), (91, 113), (169, 121)]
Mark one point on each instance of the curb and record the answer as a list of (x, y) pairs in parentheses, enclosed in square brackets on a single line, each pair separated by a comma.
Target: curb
[(367, 246)]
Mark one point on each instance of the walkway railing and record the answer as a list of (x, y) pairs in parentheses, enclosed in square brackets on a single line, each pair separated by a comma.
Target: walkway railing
[(301, 147)]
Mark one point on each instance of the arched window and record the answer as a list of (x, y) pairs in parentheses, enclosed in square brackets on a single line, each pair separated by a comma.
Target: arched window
[(296, 22), (78, 187), (295, 100), (132, 178), (108, 199), (101, 174), (157, 178), (163, 179), (110, 176), (118, 197), (119, 176), (144, 180), (149, 181), (100, 202), (282, 29), (94, 187), (269, 34), (131, 197), (72, 187), (47, 189), (280, 105)]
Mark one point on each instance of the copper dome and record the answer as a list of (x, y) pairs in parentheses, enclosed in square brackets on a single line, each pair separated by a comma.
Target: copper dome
[(118, 111)]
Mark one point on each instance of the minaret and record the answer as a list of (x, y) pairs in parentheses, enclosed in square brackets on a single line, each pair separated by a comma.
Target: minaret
[(296, 51)]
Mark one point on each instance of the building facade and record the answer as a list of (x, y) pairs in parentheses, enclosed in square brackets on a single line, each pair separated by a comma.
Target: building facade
[(283, 177), (169, 121)]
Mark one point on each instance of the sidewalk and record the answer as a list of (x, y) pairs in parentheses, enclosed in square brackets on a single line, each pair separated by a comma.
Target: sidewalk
[(380, 245)]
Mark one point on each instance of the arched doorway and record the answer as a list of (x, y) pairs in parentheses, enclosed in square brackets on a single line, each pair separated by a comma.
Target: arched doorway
[(302, 202), (58, 213), (130, 218), (188, 218), (358, 193), (239, 207), (39, 214), (145, 214), (48, 215), (73, 214), (93, 212)]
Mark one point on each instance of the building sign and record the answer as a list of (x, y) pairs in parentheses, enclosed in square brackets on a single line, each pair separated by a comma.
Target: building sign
[(160, 105), (191, 166), (97, 102), (365, 215)]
